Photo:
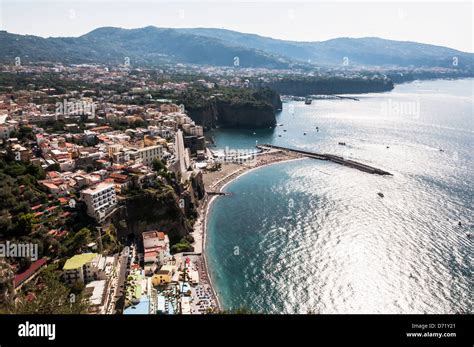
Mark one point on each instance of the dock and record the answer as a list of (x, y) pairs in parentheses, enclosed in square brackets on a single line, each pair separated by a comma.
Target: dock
[(330, 157), (217, 193)]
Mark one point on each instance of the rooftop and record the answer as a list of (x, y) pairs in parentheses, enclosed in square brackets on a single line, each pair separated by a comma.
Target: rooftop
[(97, 188), (78, 261), (20, 278), (97, 288), (151, 235)]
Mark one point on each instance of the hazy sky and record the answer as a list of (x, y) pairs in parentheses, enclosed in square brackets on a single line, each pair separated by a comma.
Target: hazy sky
[(442, 23)]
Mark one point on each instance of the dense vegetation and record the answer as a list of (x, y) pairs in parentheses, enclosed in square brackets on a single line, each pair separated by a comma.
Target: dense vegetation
[(303, 86), (153, 46), (47, 294), (147, 46), (19, 192)]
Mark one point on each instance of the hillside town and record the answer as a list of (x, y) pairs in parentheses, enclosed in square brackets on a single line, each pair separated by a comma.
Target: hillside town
[(85, 153), (106, 174)]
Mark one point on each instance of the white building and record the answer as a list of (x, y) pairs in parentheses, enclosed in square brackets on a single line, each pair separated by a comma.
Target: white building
[(86, 267), (98, 298), (100, 199), (147, 154), (7, 127), (156, 249), (154, 239)]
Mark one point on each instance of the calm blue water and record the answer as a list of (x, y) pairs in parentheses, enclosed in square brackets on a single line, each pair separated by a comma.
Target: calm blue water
[(311, 236)]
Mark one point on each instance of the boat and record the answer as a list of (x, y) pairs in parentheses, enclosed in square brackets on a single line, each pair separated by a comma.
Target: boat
[(380, 194), (342, 143), (308, 100), (304, 133)]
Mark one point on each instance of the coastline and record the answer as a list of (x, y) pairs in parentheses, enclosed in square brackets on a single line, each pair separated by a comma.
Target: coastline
[(231, 172)]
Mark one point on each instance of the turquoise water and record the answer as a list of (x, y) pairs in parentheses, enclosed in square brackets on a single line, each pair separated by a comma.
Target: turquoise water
[(312, 236)]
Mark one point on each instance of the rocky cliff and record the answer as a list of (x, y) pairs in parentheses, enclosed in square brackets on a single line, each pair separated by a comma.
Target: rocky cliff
[(330, 85), (151, 210), (224, 111)]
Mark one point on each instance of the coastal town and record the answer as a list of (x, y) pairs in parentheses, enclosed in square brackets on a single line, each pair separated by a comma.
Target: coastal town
[(115, 192), (108, 171), (176, 169)]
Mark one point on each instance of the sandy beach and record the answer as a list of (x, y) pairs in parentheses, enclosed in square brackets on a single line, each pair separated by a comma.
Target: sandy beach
[(215, 181)]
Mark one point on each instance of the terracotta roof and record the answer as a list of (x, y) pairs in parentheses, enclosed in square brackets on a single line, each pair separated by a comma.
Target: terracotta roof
[(20, 278), (50, 185)]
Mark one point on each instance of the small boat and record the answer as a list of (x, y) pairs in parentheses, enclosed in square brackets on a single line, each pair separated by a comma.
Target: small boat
[(304, 133), (388, 146), (279, 135), (284, 130), (342, 143), (308, 100), (380, 194)]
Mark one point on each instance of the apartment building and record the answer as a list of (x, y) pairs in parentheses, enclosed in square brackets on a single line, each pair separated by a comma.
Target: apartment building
[(147, 154), (156, 248), (87, 267), (100, 199)]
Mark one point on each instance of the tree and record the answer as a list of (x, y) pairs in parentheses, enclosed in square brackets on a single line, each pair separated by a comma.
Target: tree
[(78, 240), (36, 171), (54, 298), (139, 123), (54, 167), (158, 165), (25, 223)]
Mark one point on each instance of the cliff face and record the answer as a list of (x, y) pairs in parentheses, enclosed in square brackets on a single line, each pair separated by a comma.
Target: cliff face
[(259, 112), (304, 87), (205, 115), (245, 116), (149, 211)]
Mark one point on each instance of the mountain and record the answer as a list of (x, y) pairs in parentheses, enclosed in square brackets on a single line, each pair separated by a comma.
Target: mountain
[(369, 51), (144, 47), (151, 46)]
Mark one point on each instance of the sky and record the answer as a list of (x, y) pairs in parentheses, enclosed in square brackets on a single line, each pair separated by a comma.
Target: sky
[(441, 23)]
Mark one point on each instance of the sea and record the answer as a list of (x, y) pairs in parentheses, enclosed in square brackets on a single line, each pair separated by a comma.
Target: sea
[(311, 236)]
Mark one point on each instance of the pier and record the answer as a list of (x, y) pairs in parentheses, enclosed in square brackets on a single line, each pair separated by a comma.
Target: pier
[(334, 158), (217, 193)]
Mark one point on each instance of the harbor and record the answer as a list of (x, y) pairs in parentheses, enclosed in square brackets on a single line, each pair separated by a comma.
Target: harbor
[(333, 158)]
